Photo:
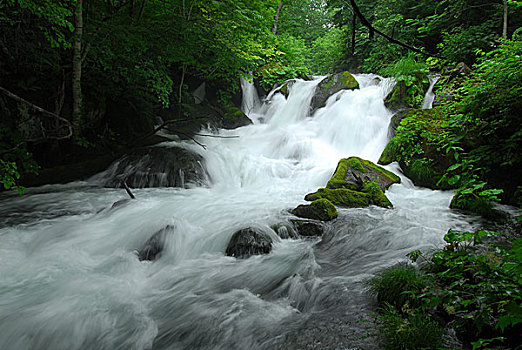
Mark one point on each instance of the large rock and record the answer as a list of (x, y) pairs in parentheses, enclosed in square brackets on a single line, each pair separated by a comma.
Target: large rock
[(321, 209), (357, 183), (156, 167), (155, 244), (247, 242), (352, 173), (414, 147), (369, 193), (329, 86)]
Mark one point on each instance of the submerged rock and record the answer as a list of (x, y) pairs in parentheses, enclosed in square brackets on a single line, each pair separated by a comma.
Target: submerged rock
[(309, 228), (321, 209), (156, 167), (155, 244), (247, 242), (351, 173), (329, 86)]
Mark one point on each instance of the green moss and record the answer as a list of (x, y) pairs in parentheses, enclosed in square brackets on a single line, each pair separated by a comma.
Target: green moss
[(355, 163), (349, 81), (388, 174), (338, 179), (324, 209), (377, 196), (341, 197), (390, 152)]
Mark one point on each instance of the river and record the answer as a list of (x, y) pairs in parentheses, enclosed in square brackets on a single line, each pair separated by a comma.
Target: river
[(70, 277)]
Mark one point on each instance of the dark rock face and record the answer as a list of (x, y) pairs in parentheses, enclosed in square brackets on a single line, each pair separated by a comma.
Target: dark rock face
[(155, 245), (157, 167), (247, 242), (321, 209), (309, 228), (329, 86)]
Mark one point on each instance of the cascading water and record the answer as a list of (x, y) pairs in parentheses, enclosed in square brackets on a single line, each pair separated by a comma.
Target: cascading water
[(70, 277), (430, 96)]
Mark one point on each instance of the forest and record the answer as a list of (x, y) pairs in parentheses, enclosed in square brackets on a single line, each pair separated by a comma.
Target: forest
[(85, 83)]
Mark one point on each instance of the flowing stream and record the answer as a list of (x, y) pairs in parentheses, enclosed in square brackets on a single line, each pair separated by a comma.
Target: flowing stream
[(429, 97), (70, 277)]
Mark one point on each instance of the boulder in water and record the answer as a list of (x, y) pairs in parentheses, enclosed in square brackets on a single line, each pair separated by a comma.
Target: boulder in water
[(351, 173), (247, 242), (309, 228), (156, 167), (329, 86), (155, 244), (321, 209), (341, 197)]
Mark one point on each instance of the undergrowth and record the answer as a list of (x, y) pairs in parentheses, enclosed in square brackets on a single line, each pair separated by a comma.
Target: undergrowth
[(470, 286)]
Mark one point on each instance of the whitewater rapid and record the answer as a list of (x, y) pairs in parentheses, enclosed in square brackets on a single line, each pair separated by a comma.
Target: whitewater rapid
[(70, 277)]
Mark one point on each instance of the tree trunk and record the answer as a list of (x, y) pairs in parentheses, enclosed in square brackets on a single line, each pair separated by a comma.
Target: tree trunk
[(505, 26), (354, 28), (276, 19), (77, 69)]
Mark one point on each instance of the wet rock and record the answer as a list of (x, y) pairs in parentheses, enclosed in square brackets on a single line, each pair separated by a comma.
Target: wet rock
[(247, 242), (309, 228), (329, 86), (233, 118), (156, 167), (351, 173), (285, 231), (321, 209), (341, 197), (154, 246)]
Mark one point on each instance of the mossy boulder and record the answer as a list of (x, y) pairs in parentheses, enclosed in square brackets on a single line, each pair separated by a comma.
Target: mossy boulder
[(321, 209), (329, 86), (247, 242), (403, 96), (370, 193), (415, 147), (351, 173), (341, 197), (377, 196)]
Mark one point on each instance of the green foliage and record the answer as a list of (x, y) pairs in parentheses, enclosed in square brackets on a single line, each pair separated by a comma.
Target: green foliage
[(328, 51), (473, 286), (413, 74)]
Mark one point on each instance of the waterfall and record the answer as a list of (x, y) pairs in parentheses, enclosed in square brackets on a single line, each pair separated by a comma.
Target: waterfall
[(70, 277), (250, 99), (430, 96)]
